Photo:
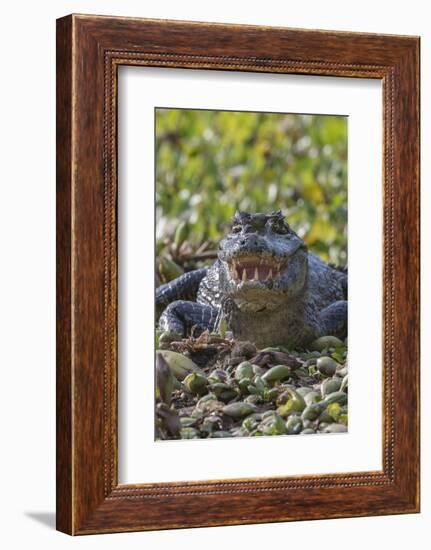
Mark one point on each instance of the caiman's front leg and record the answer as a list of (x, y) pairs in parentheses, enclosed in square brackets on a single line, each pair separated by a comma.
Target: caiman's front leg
[(334, 319), (180, 316)]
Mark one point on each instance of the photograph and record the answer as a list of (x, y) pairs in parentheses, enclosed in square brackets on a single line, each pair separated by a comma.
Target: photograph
[(251, 248)]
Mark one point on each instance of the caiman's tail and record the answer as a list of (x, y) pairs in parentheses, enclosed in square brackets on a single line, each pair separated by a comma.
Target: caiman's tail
[(184, 287)]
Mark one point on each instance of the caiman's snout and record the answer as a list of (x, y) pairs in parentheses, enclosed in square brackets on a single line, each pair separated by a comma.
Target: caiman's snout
[(252, 243)]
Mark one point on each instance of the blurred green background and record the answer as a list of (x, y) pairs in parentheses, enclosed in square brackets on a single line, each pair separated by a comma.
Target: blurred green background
[(211, 163)]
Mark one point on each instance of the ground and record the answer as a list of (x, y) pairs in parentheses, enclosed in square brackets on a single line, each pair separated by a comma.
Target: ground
[(213, 386)]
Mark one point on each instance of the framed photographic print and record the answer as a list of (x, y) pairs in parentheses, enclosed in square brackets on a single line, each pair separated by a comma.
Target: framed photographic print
[(237, 274)]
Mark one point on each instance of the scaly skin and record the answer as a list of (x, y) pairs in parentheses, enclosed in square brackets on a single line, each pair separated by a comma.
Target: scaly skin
[(266, 286)]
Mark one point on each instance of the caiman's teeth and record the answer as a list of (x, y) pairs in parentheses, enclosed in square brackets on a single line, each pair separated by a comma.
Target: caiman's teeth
[(256, 274), (236, 273), (269, 275), (244, 274)]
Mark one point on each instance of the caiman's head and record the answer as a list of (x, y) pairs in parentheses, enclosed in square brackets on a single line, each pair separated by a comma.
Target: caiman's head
[(263, 262)]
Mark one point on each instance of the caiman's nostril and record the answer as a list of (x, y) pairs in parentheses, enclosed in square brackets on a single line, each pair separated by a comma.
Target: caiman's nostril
[(249, 241)]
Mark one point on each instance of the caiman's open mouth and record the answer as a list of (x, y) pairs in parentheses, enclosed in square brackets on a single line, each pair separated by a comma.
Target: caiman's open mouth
[(255, 267)]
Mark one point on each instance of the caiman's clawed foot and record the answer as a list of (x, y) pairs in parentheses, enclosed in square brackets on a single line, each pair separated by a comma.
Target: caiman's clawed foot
[(180, 316)]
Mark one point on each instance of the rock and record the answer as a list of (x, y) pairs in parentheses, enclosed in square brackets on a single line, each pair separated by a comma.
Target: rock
[(336, 397), (294, 425), (238, 410), (277, 373), (326, 366), (296, 403), (272, 425), (179, 364), (244, 370), (335, 428), (304, 390), (312, 397), (330, 385), (325, 342), (244, 349), (196, 383)]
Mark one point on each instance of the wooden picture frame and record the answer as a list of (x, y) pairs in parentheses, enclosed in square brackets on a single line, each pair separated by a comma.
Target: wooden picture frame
[(89, 52)]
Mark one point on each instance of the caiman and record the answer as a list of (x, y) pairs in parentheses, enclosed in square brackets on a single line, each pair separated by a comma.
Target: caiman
[(265, 286)]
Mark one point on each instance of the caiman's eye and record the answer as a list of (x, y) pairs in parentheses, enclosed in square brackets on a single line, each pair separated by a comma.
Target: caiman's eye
[(280, 228), (236, 229)]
